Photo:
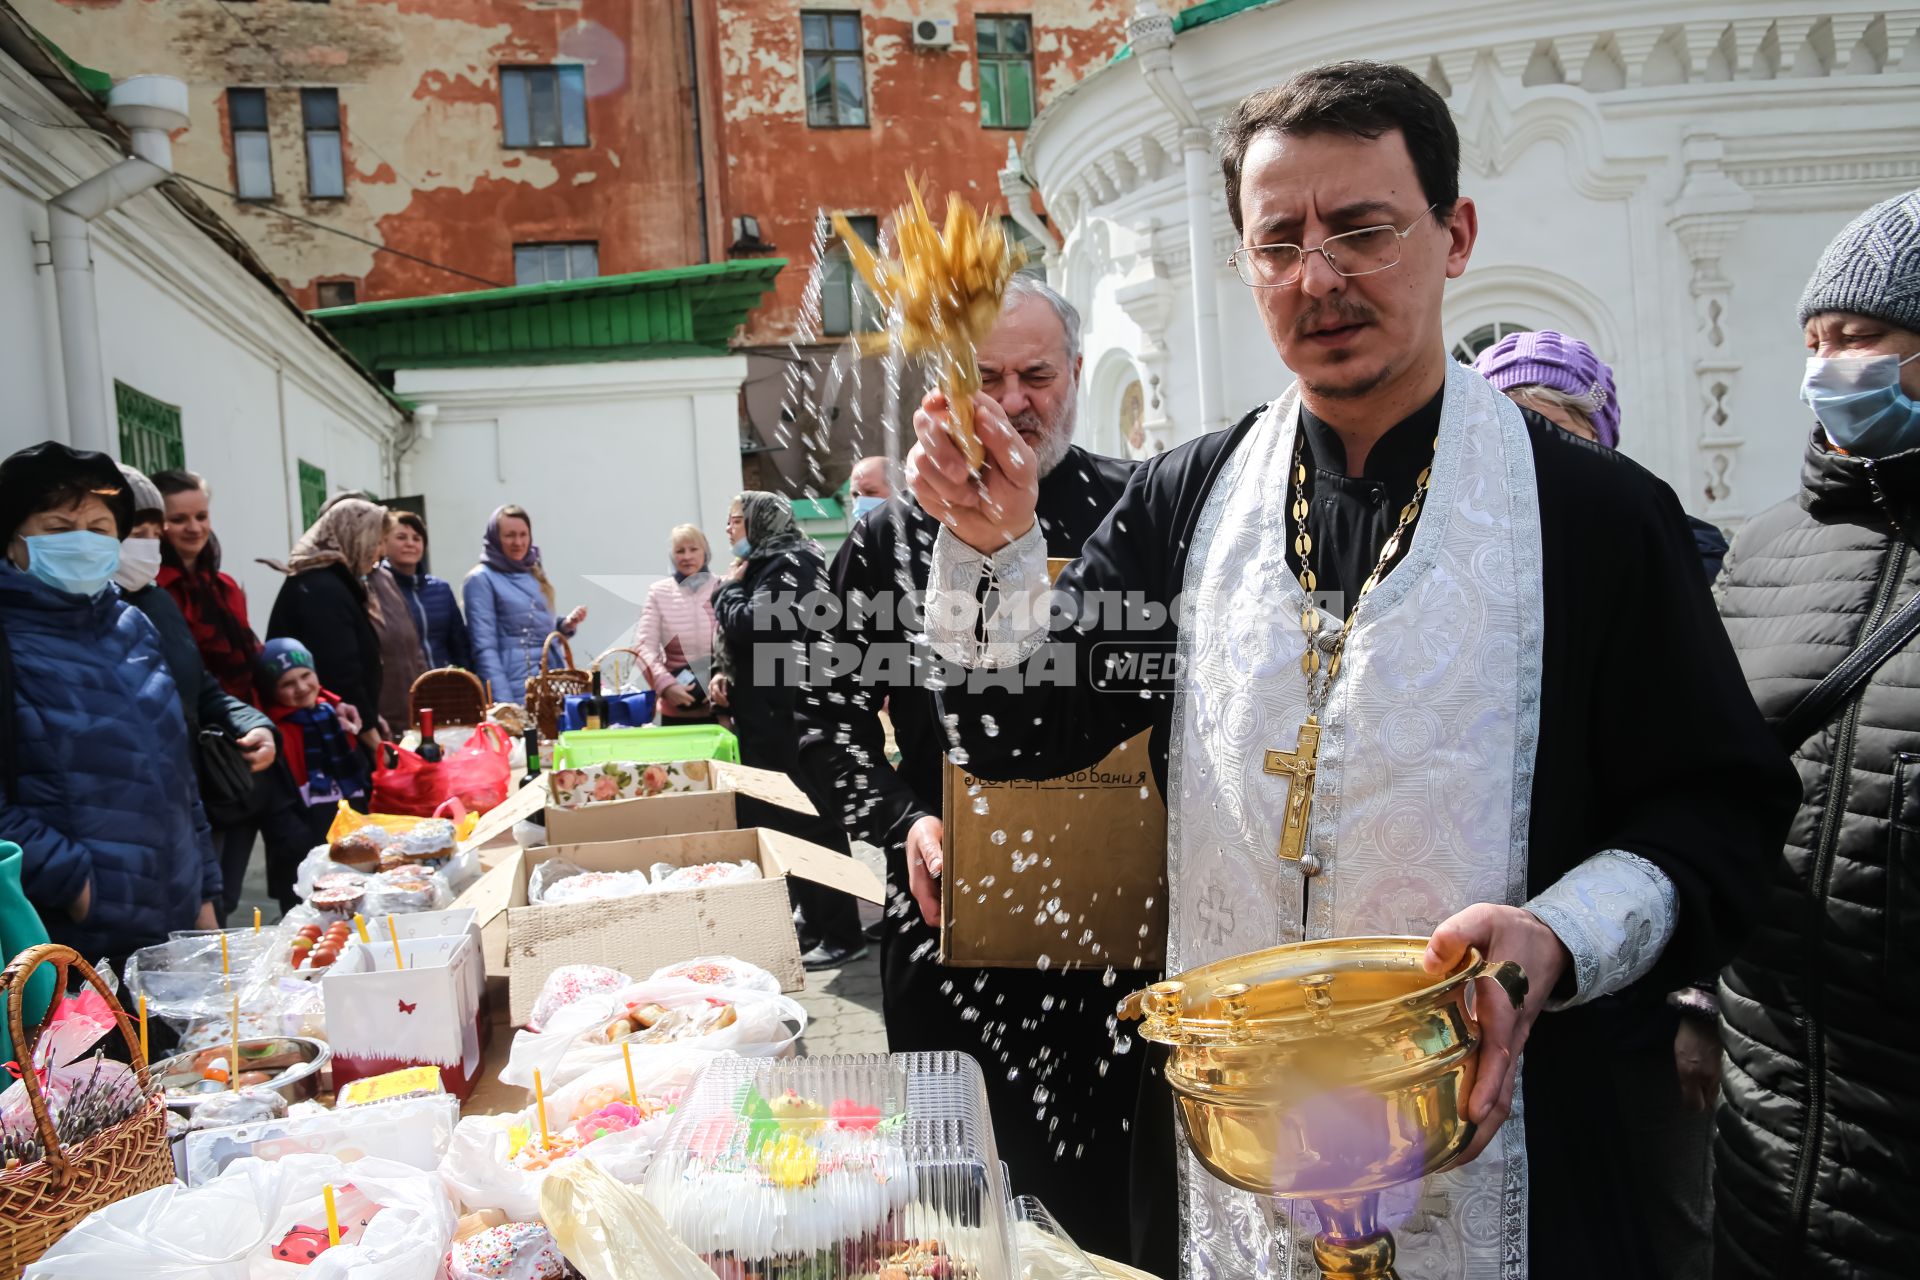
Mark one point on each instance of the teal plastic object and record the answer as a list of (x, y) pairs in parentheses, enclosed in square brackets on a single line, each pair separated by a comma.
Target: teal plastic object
[(657, 744), (20, 928)]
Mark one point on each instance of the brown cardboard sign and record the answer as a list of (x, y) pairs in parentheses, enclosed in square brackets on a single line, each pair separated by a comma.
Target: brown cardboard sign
[(499, 820), (752, 919), (1066, 873)]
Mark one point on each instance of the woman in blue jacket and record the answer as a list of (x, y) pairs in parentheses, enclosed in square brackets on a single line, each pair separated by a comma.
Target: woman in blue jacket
[(97, 778), (436, 614), (510, 606)]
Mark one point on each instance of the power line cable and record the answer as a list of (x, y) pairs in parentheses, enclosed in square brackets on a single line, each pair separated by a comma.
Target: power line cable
[(348, 235)]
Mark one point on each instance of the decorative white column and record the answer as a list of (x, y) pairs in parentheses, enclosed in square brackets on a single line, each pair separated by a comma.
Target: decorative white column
[(1710, 208), (1146, 295), (1150, 34)]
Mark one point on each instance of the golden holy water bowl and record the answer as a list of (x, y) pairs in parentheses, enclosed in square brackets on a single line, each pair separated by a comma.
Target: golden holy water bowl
[(1323, 1070)]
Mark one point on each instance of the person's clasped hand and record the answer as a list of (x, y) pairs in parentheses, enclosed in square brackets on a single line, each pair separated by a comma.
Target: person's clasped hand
[(1499, 933), (257, 747), (677, 696), (926, 858)]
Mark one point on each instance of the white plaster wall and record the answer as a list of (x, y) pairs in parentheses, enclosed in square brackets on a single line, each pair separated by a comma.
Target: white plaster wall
[(182, 321), (606, 458)]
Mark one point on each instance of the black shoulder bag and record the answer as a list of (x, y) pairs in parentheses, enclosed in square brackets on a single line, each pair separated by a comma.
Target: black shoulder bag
[(226, 782), (1844, 681)]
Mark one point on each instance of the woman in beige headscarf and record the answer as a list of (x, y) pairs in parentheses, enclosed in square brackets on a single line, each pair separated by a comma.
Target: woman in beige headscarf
[(326, 605)]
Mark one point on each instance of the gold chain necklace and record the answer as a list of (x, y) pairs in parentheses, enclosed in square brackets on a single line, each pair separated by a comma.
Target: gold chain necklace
[(1298, 765)]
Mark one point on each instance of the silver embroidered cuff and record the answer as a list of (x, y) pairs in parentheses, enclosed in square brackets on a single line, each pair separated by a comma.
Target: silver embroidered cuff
[(1615, 913), (1014, 588)]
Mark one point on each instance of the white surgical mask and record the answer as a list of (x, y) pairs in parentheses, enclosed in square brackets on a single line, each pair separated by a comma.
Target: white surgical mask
[(865, 503), (139, 564)]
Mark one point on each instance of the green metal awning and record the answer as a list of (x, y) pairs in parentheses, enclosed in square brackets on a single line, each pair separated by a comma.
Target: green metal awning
[(647, 315), (1200, 15), (808, 509)]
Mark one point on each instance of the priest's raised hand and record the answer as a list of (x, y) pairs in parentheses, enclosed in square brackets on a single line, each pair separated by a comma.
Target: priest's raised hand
[(988, 510)]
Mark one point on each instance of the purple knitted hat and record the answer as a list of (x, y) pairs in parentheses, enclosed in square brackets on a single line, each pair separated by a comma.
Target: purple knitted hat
[(1543, 358)]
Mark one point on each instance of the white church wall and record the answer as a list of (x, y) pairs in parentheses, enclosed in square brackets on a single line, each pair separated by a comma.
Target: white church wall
[(606, 458)]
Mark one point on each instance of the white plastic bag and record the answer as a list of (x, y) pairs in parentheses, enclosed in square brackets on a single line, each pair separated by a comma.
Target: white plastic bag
[(479, 1169), (229, 1229), (764, 1026), (569, 983), (610, 1232), (668, 877)]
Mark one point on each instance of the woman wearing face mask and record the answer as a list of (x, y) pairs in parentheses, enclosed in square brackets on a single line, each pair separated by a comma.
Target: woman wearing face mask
[(1821, 1011), (95, 771), (675, 635), (205, 704), (758, 679), (326, 605), (509, 603)]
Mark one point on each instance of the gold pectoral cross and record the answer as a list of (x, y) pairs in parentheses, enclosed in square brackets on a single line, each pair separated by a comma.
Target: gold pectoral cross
[(1297, 767)]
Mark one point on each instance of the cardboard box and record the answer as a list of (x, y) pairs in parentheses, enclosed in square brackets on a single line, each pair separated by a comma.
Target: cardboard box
[(382, 1017), (676, 812), (752, 919), (1072, 869)]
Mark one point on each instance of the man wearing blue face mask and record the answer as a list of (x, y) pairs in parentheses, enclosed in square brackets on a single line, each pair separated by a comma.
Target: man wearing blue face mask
[(869, 485), (1816, 1150), (97, 784)]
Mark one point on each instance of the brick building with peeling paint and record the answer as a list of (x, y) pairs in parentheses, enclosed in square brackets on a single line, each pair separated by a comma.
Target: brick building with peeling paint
[(824, 106), (464, 143), (507, 140)]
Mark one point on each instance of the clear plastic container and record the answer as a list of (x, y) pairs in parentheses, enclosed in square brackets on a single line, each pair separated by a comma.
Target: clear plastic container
[(837, 1169)]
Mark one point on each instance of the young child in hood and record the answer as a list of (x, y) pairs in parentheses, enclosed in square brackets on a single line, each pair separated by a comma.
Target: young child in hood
[(320, 734)]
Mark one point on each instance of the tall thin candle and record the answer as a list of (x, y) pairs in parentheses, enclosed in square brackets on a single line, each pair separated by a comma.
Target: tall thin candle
[(540, 1106), (333, 1217)]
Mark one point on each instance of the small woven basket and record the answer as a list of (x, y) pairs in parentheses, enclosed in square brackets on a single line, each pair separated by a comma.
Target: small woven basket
[(40, 1202), (616, 671), (454, 695), (547, 692)]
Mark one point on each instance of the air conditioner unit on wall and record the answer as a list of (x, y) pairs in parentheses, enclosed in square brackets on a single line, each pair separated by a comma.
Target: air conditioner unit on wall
[(933, 33)]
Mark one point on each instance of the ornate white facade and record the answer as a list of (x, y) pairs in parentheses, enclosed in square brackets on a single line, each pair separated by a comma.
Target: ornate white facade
[(1655, 176)]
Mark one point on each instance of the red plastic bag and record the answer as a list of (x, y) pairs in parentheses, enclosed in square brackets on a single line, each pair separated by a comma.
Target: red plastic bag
[(476, 774)]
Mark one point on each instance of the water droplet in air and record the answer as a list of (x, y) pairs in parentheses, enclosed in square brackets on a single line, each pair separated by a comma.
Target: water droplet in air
[(1043, 963), (1000, 837), (979, 804)]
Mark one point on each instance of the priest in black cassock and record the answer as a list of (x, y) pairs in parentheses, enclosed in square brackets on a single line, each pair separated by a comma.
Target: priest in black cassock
[(1444, 669), (1061, 1087)]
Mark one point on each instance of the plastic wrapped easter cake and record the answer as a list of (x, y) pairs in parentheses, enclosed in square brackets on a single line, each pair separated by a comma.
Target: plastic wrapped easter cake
[(842, 1168)]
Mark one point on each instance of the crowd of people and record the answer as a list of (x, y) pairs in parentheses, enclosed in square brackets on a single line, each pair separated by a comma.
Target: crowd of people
[(1675, 780)]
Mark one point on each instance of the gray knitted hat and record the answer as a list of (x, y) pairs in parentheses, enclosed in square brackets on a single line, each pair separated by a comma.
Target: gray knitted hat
[(146, 497), (1872, 267)]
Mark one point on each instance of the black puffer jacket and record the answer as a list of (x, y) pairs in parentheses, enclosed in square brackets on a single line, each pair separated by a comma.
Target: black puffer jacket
[(1818, 1147)]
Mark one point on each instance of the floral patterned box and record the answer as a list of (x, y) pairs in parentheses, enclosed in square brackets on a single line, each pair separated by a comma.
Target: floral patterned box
[(625, 780)]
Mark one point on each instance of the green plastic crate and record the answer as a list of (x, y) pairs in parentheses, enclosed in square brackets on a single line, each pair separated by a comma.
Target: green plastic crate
[(658, 744)]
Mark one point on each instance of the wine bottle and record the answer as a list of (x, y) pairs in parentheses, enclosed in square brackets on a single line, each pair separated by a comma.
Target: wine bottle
[(594, 711), (532, 774), (429, 749)]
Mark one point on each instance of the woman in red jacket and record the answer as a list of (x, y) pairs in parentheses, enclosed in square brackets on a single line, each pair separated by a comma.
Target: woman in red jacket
[(216, 611), (214, 605)]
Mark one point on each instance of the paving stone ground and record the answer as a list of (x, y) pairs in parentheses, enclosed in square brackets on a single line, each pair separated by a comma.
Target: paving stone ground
[(843, 1005)]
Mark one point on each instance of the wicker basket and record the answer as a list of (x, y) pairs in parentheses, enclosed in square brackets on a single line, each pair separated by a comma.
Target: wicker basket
[(548, 692), (454, 695), (40, 1202)]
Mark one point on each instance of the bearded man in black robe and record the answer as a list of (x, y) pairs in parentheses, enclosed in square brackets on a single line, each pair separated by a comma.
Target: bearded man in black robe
[(1061, 1080)]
